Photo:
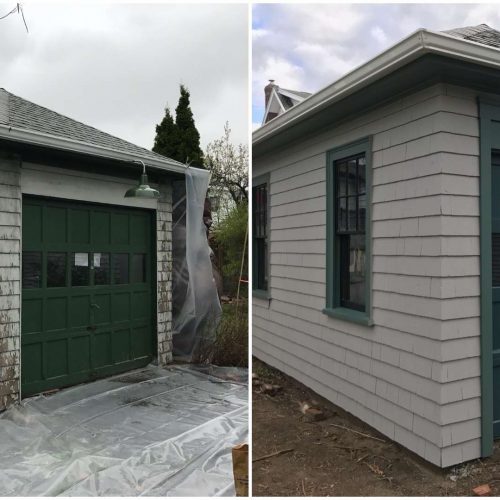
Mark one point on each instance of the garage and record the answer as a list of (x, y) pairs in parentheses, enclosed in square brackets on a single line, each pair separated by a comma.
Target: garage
[(86, 288), (86, 252)]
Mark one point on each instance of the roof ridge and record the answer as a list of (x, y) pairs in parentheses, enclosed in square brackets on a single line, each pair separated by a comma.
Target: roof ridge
[(9, 120)]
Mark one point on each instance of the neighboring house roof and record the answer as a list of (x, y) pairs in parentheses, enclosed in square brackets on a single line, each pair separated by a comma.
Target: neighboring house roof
[(24, 121), (480, 34), (424, 49), (280, 100)]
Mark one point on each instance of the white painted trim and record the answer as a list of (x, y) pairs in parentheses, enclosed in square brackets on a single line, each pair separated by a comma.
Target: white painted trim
[(47, 140), (278, 99), (56, 182), (274, 96), (410, 48)]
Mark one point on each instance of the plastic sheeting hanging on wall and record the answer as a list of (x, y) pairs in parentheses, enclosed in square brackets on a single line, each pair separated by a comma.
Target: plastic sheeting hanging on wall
[(196, 306)]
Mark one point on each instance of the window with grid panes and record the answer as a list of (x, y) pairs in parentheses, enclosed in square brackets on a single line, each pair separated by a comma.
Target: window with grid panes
[(350, 224), (259, 201)]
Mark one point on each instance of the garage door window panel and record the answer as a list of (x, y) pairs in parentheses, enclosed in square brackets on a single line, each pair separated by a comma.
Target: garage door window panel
[(32, 270), (102, 275), (138, 268), (121, 269), (56, 269), (80, 271)]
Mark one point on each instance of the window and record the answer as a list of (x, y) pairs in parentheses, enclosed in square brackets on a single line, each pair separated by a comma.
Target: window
[(260, 230), (56, 269), (120, 268), (101, 269), (348, 235), (80, 275), (350, 230), (139, 268), (32, 269)]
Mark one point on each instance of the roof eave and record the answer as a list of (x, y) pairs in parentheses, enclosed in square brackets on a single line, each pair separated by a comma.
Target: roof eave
[(63, 144), (412, 47)]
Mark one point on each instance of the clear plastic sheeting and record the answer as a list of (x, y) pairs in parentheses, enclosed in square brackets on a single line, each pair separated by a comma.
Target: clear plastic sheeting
[(151, 432), (196, 306)]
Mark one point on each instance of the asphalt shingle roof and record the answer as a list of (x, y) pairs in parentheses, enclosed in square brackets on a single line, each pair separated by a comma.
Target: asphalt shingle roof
[(21, 113), (481, 33)]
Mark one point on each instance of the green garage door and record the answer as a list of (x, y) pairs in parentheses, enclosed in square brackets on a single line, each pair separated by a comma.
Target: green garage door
[(87, 308)]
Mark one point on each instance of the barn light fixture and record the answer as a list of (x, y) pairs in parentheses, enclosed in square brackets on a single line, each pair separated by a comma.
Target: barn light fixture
[(142, 190)]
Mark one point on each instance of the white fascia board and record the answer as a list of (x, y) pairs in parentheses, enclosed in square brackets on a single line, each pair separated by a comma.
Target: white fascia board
[(273, 96), (410, 48), (46, 140)]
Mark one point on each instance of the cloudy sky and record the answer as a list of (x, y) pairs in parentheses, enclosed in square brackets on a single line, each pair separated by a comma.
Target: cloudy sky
[(306, 47), (116, 66)]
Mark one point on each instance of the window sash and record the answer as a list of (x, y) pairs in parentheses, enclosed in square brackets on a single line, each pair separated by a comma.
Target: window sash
[(358, 307), (260, 216)]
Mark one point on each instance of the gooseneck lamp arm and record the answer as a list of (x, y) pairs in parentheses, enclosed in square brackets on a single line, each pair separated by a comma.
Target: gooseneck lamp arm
[(143, 190)]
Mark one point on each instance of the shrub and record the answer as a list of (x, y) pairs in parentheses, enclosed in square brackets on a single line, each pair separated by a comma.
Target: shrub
[(230, 347), (230, 239)]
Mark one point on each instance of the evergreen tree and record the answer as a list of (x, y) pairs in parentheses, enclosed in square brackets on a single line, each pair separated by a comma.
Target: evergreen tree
[(189, 138), (167, 137), (179, 139)]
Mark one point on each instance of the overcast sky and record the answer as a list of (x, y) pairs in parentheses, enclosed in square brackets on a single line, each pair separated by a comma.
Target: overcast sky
[(306, 47), (116, 66)]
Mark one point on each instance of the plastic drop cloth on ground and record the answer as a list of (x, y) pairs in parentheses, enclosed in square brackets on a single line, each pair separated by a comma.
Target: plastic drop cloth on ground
[(153, 432)]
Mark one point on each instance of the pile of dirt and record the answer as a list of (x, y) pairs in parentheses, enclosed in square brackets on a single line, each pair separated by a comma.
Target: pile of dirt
[(333, 453)]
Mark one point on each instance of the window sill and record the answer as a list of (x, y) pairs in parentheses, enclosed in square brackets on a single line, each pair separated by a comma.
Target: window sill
[(261, 294), (349, 315)]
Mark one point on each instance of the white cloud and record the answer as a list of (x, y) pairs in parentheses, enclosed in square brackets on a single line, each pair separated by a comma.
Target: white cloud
[(286, 73), (116, 66), (315, 44), (379, 34)]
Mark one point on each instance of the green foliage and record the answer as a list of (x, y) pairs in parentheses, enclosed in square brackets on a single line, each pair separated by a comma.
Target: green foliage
[(179, 139), (189, 137), (167, 137), (231, 342), (230, 238)]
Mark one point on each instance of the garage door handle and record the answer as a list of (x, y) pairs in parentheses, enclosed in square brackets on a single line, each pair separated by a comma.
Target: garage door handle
[(91, 328), (97, 306)]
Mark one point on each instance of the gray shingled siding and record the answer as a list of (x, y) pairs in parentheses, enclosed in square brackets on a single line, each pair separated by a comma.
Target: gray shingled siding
[(414, 375), (10, 245), (164, 264)]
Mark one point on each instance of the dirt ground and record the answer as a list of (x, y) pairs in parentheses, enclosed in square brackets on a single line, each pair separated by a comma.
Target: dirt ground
[(323, 458)]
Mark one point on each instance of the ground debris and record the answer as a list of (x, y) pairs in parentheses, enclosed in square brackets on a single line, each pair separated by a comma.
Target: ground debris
[(270, 389), (483, 490), (311, 413), (461, 472), (322, 451), (275, 454), (357, 432)]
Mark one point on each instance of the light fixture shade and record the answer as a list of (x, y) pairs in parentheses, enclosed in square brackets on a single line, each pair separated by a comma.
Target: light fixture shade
[(143, 190)]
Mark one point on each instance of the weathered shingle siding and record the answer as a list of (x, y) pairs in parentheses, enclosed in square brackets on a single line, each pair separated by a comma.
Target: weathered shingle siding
[(415, 374), (10, 244), (164, 265)]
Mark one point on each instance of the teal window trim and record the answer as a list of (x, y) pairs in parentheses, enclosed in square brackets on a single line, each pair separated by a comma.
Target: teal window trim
[(258, 292), (489, 111), (333, 308)]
